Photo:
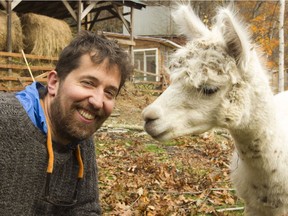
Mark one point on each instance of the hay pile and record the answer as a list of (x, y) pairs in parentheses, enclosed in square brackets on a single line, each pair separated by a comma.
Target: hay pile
[(44, 35), (17, 36)]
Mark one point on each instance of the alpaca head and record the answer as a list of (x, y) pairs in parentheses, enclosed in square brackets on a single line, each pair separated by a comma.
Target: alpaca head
[(211, 78)]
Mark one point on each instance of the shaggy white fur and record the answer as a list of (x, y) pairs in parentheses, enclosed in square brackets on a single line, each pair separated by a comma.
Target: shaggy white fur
[(217, 80)]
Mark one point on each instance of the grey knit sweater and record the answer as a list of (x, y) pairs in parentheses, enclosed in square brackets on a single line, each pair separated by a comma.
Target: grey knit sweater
[(23, 164)]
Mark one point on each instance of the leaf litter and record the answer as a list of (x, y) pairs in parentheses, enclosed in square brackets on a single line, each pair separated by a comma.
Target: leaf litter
[(141, 176)]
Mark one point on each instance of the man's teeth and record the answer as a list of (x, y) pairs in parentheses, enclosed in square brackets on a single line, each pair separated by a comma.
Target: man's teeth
[(86, 115)]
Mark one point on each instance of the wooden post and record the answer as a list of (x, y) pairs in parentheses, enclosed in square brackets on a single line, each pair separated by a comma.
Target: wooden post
[(79, 8), (9, 36), (131, 50), (9, 26)]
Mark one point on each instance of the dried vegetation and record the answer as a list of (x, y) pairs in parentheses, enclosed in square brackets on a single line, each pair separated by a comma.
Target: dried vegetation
[(17, 36), (44, 36), (140, 176)]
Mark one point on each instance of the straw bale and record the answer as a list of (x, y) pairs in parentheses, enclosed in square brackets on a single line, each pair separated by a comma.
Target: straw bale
[(17, 36), (44, 35)]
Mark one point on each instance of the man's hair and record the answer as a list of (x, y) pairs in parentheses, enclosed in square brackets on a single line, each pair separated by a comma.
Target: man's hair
[(100, 49)]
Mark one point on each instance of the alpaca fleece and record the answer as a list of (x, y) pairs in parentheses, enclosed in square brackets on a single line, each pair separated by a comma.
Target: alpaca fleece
[(218, 80), (23, 164)]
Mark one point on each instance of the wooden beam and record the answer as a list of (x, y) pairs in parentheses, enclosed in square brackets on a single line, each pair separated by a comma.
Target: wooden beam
[(125, 42), (70, 9), (79, 12), (12, 89), (120, 15), (147, 73), (44, 75), (24, 67), (131, 30), (30, 56), (15, 3), (4, 4), (25, 79), (94, 20), (151, 90), (9, 27), (88, 9), (141, 82)]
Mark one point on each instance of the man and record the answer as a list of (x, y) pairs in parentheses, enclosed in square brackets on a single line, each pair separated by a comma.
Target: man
[(47, 155)]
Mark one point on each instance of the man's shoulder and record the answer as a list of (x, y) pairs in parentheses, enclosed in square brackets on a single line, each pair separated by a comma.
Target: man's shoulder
[(7, 98), (9, 104)]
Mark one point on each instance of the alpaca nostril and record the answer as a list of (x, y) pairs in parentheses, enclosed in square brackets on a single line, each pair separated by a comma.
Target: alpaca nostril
[(149, 119), (150, 114)]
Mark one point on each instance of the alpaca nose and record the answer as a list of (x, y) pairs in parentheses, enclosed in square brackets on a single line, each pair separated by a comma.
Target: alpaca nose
[(151, 113)]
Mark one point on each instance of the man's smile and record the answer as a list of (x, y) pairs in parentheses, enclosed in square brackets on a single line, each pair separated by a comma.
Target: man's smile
[(85, 114)]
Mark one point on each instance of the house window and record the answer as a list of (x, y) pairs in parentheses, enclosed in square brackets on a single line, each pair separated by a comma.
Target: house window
[(146, 60)]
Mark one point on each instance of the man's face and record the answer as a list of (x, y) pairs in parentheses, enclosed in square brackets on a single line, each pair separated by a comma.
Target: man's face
[(84, 100)]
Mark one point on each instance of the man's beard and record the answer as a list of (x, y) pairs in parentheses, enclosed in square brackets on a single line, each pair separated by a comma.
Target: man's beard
[(67, 127)]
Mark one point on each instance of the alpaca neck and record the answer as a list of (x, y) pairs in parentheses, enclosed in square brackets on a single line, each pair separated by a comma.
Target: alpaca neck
[(255, 138)]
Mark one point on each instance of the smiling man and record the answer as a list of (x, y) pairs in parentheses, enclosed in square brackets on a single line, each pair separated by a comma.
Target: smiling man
[(47, 162)]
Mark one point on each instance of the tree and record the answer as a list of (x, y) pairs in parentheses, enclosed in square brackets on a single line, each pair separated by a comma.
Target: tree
[(281, 46)]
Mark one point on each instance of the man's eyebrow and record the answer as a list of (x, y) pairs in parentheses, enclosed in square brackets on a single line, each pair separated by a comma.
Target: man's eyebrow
[(90, 77)]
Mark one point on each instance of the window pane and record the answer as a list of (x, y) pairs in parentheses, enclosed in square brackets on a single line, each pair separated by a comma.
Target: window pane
[(146, 61)]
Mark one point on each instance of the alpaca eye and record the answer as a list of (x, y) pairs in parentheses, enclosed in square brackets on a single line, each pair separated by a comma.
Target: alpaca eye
[(208, 90)]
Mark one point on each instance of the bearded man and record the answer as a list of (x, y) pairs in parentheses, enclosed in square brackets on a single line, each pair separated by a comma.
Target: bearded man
[(48, 163)]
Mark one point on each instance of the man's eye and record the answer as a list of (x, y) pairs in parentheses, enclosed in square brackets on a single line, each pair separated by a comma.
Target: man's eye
[(208, 90), (87, 83), (111, 94)]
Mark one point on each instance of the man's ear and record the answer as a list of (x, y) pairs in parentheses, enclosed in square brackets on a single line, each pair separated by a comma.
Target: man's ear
[(52, 83)]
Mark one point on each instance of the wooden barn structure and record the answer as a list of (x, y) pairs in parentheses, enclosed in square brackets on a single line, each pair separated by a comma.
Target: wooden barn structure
[(84, 15), (151, 58), (78, 10)]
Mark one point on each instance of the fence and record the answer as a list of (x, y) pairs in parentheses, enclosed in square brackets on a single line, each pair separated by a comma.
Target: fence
[(14, 71)]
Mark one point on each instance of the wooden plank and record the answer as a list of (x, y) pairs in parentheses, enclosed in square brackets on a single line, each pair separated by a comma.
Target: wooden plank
[(125, 42), (24, 79), (24, 67), (147, 73), (42, 75), (88, 9), (11, 89), (3, 3), (150, 90), (140, 82), (70, 9), (10, 54)]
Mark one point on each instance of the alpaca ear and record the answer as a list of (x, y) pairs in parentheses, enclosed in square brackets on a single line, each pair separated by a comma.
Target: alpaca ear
[(189, 23), (235, 36)]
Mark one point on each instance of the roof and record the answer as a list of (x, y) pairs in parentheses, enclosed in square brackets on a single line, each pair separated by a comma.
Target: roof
[(163, 41), (57, 9)]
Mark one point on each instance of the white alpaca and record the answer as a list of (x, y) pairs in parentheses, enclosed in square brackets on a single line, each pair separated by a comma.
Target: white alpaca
[(217, 80)]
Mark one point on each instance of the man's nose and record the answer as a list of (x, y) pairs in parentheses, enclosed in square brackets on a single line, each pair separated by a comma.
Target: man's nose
[(97, 100)]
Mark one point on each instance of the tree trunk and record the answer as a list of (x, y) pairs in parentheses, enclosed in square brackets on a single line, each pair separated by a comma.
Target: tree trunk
[(281, 46)]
